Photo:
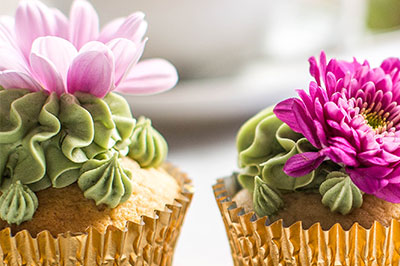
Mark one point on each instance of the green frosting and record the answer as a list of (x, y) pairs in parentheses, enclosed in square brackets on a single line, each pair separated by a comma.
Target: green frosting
[(340, 194), (18, 204), (46, 141), (267, 200), (105, 181), (265, 144), (148, 147)]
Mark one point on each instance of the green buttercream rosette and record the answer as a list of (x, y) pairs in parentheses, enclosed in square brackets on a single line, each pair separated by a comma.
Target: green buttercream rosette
[(265, 144), (148, 146), (50, 141), (104, 180)]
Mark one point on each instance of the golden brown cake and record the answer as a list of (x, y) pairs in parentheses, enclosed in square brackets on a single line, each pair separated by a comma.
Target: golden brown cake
[(66, 209), (373, 209)]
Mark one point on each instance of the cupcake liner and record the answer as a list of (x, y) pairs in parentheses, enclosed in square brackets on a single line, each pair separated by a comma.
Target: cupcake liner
[(254, 242), (150, 242)]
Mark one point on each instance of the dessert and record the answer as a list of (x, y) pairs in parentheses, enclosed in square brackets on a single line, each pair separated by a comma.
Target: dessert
[(319, 175), (82, 180)]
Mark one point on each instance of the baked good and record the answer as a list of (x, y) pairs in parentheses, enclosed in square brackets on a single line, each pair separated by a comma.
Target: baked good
[(75, 165), (325, 163)]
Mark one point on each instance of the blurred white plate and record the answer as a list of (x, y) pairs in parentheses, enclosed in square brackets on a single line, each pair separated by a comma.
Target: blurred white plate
[(259, 86)]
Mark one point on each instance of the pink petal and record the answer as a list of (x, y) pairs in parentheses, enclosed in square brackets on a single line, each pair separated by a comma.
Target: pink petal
[(149, 76), (284, 111), (132, 28), (46, 73), (84, 23), (33, 19), (303, 163), (306, 125), (102, 48), (389, 193), (11, 59), (7, 37), (56, 50), (91, 72), (18, 80), (108, 31), (62, 24), (126, 54)]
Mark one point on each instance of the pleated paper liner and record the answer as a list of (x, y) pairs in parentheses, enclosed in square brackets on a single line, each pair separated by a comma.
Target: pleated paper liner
[(151, 242), (254, 242)]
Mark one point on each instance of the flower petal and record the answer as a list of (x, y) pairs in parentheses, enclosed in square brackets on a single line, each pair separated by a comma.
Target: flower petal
[(11, 59), (17, 80), (303, 163), (124, 52), (132, 28), (33, 19), (149, 76), (57, 50), (284, 111), (91, 72), (46, 73), (389, 193), (84, 23), (369, 179), (62, 24), (305, 123)]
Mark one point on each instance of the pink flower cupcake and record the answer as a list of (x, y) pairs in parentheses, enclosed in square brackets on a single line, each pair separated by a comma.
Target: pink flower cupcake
[(82, 181), (319, 180)]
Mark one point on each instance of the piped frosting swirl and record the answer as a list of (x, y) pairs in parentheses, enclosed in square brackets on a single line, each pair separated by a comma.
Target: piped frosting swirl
[(46, 140)]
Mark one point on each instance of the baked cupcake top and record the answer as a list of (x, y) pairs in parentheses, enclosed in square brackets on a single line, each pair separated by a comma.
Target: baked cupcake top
[(340, 139), (60, 120)]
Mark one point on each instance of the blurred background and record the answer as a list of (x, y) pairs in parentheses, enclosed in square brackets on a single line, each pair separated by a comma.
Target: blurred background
[(234, 59)]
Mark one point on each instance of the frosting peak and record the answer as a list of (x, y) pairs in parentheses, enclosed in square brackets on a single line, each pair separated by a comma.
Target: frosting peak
[(18, 203), (148, 147), (104, 180)]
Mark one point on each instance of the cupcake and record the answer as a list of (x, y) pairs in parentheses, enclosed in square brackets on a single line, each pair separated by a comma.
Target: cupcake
[(319, 179), (83, 182)]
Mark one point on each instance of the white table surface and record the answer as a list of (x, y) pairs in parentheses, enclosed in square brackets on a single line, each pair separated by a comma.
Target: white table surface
[(205, 153)]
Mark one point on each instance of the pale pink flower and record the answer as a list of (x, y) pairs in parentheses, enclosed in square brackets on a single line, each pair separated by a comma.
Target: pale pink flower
[(44, 50)]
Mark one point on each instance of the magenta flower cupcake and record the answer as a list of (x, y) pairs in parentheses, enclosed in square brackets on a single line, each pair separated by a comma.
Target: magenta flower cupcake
[(82, 181), (319, 181)]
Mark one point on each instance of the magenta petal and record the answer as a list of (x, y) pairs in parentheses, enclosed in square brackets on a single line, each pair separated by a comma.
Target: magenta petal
[(132, 28), (389, 193), (305, 123), (17, 80), (149, 76), (33, 19), (84, 23), (46, 73), (284, 111), (124, 52), (369, 179), (303, 163), (56, 50), (90, 72)]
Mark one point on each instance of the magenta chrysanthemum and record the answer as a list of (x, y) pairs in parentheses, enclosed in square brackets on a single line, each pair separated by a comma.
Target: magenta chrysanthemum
[(44, 50), (351, 116)]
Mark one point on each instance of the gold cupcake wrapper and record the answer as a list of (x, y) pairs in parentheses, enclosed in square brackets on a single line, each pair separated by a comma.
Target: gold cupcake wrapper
[(254, 242), (150, 242)]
